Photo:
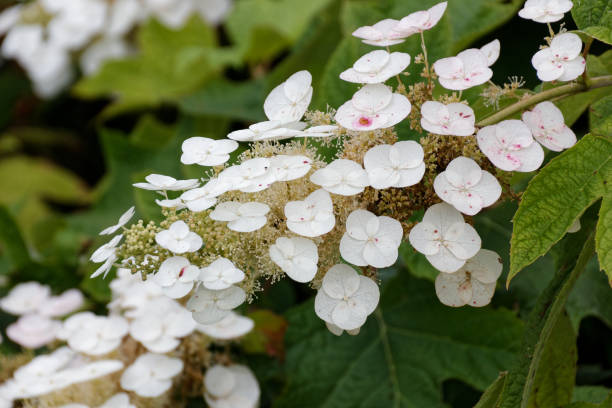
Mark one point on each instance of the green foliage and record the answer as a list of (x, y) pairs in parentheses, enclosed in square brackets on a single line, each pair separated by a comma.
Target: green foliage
[(556, 196), (12, 242), (490, 397), (594, 17), (604, 236), (402, 355)]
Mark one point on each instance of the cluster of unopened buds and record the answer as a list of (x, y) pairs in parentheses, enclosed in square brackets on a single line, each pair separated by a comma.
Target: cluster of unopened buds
[(283, 210), (43, 35)]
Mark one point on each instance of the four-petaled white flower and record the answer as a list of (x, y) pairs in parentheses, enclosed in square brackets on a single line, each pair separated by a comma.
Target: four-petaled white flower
[(122, 221), (232, 386), (312, 216), (296, 256), (371, 240), (250, 176), (220, 274), (372, 107), (242, 217), (288, 101), (207, 152), (346, 298), (33, 330), (25, 298), (160, 329), (467, 187), (210, 306), (63, 304), (510, 146), (106, 251), (398, 165), (268, 130), (562, 60), (159, 182), (202, 198), (545, 11), (94, 335), (230, 327), (289, 167), (342, 176), (473, 284), (469, 68), (178, 238), (548, 127), (376, 67), (319, 131), (456, 119), (176, 276), (445, 239), (151, 374), (420, 21), (380, 34)]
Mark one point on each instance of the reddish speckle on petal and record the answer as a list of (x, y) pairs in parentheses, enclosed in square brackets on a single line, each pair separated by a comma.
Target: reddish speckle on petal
[(182, 271), (305, 162), (435, 231), (364, 121)]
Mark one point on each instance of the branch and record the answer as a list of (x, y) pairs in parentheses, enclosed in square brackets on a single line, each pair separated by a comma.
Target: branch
[(564, 90)]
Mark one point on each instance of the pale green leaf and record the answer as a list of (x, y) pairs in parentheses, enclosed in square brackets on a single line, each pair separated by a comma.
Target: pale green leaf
[(594, 17)]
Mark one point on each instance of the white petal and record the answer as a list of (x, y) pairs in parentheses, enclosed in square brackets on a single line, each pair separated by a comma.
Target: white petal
[(486, 266), (340, 281), (445, 261)]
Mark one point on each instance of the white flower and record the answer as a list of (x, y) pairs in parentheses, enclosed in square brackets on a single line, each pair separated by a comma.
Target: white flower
[(105, 49), (131, 295), (221, 274), (232, 386), (161, 327), (562, 60), (313, 216), (151, 374), (296, 256), (288, 101), (469, 68), (122, 16), (213, 11), (158, 182), (176, 276), (25, 298), (250, 176), (420, 21), (76, 22), (466, 187), (105, 267), (207, 152), (93, 335), (381, 34), (9, 17), (178, 238), (372, 107), (230, 327), (346, 298), (444, 238), (268, 130), (175, 203), (63, 304), (343, 177), (376, 67), (172, 13), (548, 127), (510, 146), (242, 217), (319, 131), (107, 250), (210, 306), (202, 198), (456, 119), (33, 331), (398, 165), (545, 11), (473, 284), (371, 240), (289, 167), (125, 217)]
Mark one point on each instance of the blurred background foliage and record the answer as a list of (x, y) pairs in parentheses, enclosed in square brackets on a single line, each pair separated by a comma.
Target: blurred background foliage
[(67, 165)]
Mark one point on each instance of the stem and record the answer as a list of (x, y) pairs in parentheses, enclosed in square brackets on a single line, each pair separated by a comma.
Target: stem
[(564, 90), (424, 48), (550, 31)]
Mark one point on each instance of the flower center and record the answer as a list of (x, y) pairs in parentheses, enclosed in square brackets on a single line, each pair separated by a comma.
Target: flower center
[(363, 121)]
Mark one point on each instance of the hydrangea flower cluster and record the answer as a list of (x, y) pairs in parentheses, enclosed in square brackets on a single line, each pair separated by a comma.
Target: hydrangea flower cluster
[(283, 210), (44, 35)]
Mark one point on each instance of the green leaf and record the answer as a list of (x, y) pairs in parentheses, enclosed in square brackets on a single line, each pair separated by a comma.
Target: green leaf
[(262, 28), (590, 297), (267, 335), (554, 381), (556, 196), (12, 241), (540, 325), (408, 347), (490, 397), (416, 263), (601, 117), (594, 17), (171, 63), (603, 239), (607, 403), (590, 393)]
